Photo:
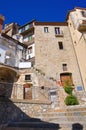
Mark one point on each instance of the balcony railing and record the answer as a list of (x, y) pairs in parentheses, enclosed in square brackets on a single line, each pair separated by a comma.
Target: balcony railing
[(29, 41), (59, 34), (25, 28)]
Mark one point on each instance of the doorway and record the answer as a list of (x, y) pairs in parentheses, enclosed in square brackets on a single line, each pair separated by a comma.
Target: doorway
[(66, 77), (27, 91)]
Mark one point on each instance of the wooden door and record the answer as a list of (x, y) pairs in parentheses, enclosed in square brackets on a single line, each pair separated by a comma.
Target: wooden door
[(66, 77), (28, 93)]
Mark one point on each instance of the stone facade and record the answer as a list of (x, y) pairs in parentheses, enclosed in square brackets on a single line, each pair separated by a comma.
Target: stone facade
[(49, 58)]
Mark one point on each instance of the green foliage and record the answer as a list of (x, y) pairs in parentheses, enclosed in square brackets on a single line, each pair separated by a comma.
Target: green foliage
[(68, 88), (71, 100)]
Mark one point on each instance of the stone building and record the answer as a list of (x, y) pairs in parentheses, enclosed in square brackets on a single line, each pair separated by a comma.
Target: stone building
[(77, 24), (37, 59)]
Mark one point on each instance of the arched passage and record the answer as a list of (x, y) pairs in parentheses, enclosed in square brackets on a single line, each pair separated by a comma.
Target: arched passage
[(8, 76)]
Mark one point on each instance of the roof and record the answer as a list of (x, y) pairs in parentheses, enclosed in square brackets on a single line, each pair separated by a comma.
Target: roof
[(51, 23), (27, 23), (14, 40)]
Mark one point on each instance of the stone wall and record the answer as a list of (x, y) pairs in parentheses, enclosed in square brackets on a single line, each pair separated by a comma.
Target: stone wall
[(16, 111), (49, 58)]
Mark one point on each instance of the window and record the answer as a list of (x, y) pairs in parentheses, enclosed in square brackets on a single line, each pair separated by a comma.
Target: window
[(26, 27), (60, 45), (84, 13), (46, 29), (64, 67), (53, 93), (28, 38), (30, 50), (57, 30), (0, 54), (28, 77)]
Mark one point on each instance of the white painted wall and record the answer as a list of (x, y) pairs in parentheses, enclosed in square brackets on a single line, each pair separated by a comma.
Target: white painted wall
[(33, 52), (24, 65), (2, 53)]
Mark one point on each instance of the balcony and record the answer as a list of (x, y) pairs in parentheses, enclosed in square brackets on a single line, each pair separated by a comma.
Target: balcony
[(59, 34), (27, 28), (81, 26)]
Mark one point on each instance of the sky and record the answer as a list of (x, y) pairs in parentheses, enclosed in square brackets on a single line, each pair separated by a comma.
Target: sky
[(23, 11)]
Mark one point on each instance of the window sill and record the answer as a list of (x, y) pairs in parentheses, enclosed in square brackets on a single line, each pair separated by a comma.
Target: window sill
[(58, 35)]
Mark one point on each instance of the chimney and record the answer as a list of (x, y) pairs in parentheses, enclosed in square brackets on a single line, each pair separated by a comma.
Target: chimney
[(1, 22)]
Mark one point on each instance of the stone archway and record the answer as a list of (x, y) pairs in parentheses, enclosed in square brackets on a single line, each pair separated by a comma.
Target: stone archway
[(8, 76)]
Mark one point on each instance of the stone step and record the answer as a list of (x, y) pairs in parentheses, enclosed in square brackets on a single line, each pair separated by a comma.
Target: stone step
[(43, 126), (30, 126), (60, 114), (66, 121)]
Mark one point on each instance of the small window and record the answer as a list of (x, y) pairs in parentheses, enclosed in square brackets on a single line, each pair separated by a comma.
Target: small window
[(84, 13), (30, 50), (30, 38), (53, 93), (0, 54), (60, 45), (57, 30), (46, 29), (64, 67), (28, 77)]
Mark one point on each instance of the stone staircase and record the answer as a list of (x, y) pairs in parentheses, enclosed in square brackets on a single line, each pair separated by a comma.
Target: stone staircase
[(30, 124), (69, 118)]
